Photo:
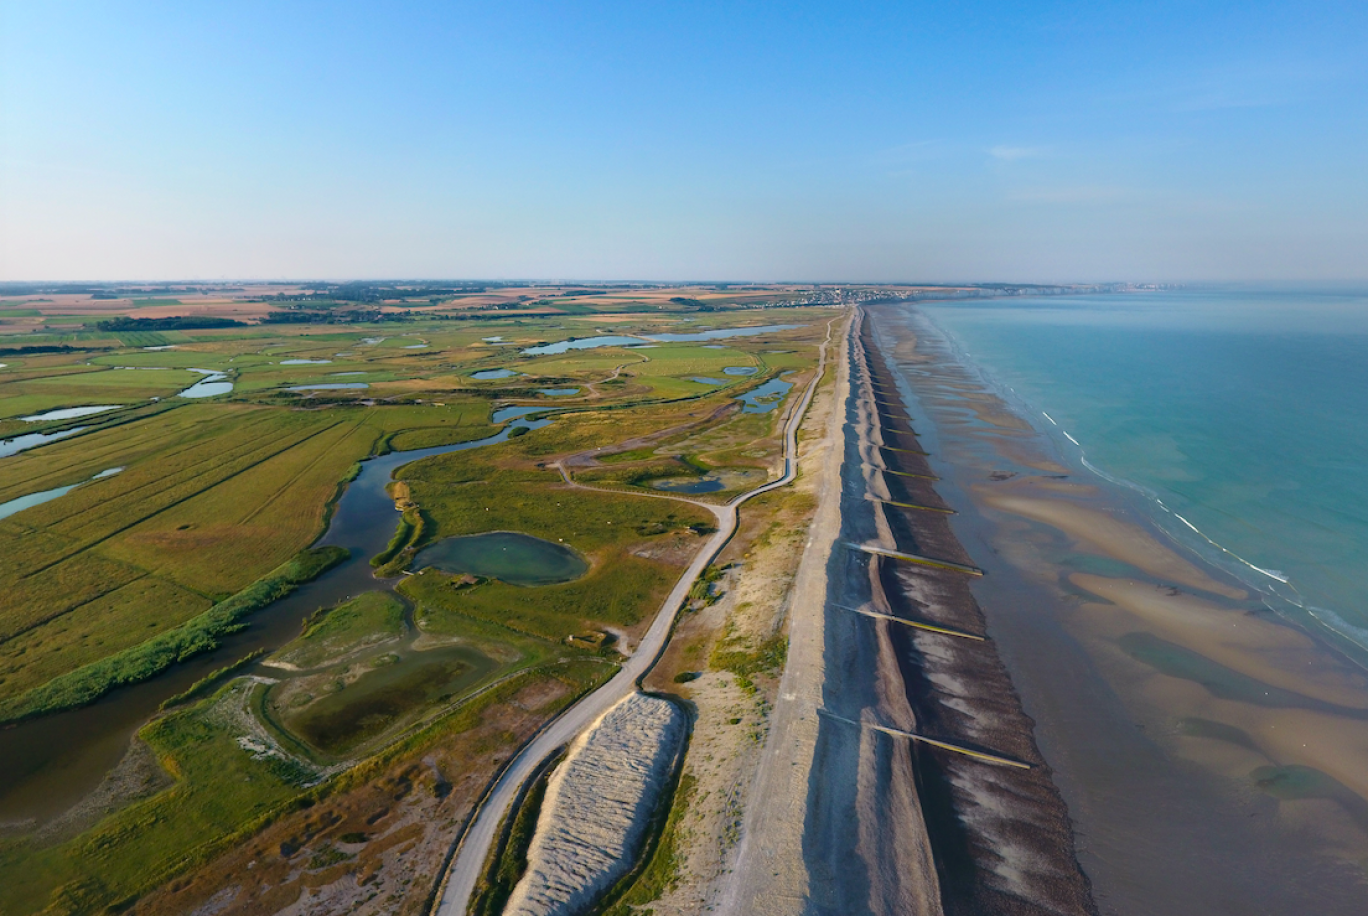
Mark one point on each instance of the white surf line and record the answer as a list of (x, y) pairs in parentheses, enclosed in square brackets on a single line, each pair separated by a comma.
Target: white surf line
[(915, 558), (917, 624), (985, 756), (1275, 575), (472, 847)]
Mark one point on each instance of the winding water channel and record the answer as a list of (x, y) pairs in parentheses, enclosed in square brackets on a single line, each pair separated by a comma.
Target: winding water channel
[(49, 763)]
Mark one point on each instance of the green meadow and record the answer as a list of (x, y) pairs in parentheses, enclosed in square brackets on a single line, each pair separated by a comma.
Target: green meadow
[(216, 502)]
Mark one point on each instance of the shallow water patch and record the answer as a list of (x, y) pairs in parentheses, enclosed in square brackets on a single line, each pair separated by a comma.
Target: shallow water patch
[(509, 556), (69, 413), (512, 413), (213, 384), (395, 689), (33, 440), (764, 398), (689, 485), (330, 386), (37, 499)]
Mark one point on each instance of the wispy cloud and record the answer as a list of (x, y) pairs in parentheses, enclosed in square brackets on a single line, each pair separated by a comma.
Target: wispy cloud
[(1013, 153)]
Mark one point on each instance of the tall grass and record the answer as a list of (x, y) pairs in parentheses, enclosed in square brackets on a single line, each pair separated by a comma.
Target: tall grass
[(148, 659)]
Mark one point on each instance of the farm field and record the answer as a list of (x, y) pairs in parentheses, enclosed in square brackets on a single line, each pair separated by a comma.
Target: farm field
[(178, 505)]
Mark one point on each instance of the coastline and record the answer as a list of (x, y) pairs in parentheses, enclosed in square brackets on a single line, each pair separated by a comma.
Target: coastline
[(1210, 753), (1001, 838), (854, 810)]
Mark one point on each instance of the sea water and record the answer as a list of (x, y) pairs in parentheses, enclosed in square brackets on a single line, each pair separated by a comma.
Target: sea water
[(1239, 413)]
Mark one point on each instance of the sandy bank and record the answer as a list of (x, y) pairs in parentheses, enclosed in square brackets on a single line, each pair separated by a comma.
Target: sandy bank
[(1258, 648), (1122, 540)]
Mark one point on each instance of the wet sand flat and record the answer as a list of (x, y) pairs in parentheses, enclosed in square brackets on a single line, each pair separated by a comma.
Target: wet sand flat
[(1211, 755)]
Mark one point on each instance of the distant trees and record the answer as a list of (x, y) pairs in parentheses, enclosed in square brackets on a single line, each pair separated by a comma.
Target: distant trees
[(170, 323)]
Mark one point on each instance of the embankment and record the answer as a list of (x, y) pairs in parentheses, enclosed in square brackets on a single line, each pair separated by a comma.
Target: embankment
[(598, 807)]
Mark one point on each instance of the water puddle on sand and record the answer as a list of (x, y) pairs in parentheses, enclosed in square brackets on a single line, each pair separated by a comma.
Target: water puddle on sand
[(518, 559)]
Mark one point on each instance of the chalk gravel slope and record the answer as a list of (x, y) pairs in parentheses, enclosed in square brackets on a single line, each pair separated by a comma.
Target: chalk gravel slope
[(598, 805)]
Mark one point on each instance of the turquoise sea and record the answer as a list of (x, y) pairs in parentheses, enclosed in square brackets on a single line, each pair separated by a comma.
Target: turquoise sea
[(1239, 413)]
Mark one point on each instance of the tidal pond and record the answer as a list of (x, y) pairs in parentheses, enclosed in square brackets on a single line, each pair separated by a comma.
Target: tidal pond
[(329, 386), (395, 688), (212, 385), (689, 485), (585, 343), (305, 362), (725, 332), (518, 559), (485, 375), (740, 370), (37, 499), (558, 392), (513, 413), (764, 398), (608, 340), (33, 440), (69, 413)]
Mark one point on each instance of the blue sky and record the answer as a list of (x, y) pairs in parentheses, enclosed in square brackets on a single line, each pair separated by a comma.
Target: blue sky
[(768, 141)]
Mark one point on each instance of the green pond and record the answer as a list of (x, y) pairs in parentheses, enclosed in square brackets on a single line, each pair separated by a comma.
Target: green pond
[(386, 696), (518, 559)]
